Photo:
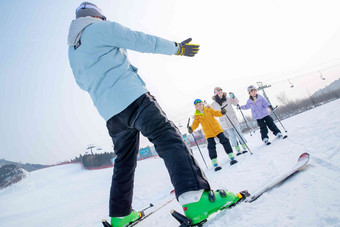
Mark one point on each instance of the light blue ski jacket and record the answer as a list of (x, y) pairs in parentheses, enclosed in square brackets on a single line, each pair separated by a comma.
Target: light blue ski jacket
[(98, 58)]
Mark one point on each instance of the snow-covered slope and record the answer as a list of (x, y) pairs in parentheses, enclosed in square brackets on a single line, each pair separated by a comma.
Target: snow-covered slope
[(70, 196)]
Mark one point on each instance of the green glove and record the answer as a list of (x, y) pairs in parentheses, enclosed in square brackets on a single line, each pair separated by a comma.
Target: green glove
[(186, 49)]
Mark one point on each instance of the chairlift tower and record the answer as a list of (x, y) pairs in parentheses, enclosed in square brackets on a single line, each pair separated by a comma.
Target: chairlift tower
[(90, 147), (262, 87)]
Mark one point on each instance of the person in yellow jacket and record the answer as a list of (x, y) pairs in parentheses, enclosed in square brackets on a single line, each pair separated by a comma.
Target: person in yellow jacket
[(211, 128)]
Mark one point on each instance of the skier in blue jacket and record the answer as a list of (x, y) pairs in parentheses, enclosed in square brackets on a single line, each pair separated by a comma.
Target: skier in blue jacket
[(98, 58)]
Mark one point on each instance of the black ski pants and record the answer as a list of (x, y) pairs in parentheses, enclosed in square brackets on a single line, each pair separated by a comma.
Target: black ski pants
[(145, 115), (263, 123), (212, 145)]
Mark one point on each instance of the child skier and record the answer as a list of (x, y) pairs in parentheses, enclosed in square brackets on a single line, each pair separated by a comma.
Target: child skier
[(229, 122), (98, 58), (211, 128), (259, 109)]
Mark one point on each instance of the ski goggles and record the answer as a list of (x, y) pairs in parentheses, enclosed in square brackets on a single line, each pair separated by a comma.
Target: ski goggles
[(217, 90), (197, 101)]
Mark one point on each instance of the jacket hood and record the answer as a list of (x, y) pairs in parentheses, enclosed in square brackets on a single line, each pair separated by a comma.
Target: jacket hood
[(214, 97), (76, 28), (252, 98), (198, 113)]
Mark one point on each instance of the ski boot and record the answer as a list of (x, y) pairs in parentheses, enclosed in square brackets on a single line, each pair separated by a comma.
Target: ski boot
[(244, 148), (215, 164), (279, 135), (196, 213), (266, 141), (237, 148), (232, 159), (123, 221)]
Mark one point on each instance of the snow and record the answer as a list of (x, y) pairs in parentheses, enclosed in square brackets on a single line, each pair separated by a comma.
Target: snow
[(68, 195)]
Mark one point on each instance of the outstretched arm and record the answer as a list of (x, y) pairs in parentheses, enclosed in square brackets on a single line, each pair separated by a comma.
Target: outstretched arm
[(265, 103), (245, 107), (233, 99), (216, 113), (195, 124), (124, 37)]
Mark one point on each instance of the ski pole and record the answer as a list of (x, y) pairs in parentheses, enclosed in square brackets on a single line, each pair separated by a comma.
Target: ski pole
[(151, 205), (278, 120), (246, 121), (197, 145), (237, 130)]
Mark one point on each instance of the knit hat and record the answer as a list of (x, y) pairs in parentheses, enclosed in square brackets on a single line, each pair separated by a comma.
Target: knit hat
[(217, 89), (89, 9), (251, 87)]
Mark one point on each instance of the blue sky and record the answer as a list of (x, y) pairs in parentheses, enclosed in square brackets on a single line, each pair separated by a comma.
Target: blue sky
[(46, 118)]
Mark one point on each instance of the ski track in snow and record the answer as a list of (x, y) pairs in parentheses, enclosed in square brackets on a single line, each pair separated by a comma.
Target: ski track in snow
[(70, 196)]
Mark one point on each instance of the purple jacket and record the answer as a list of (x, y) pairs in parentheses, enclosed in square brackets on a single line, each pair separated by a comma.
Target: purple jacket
[(258, 108)]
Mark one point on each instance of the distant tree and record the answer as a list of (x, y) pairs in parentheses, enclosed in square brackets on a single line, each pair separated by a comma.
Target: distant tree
[(97, 160), (10, 174), (282, 97), (311, 99)]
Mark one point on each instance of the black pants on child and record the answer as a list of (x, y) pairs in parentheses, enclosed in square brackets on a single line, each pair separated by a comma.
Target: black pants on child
[(145, 115), (212, 145), (263, 123)]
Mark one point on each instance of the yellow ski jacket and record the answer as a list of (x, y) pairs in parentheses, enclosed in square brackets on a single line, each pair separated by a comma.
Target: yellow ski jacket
[(210, 125)]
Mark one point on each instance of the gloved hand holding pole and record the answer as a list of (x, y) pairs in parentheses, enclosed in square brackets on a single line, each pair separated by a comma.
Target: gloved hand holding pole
[(188, 126)]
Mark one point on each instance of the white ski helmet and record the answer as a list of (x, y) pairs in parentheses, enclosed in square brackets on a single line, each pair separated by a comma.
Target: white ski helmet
[(251, 87)]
